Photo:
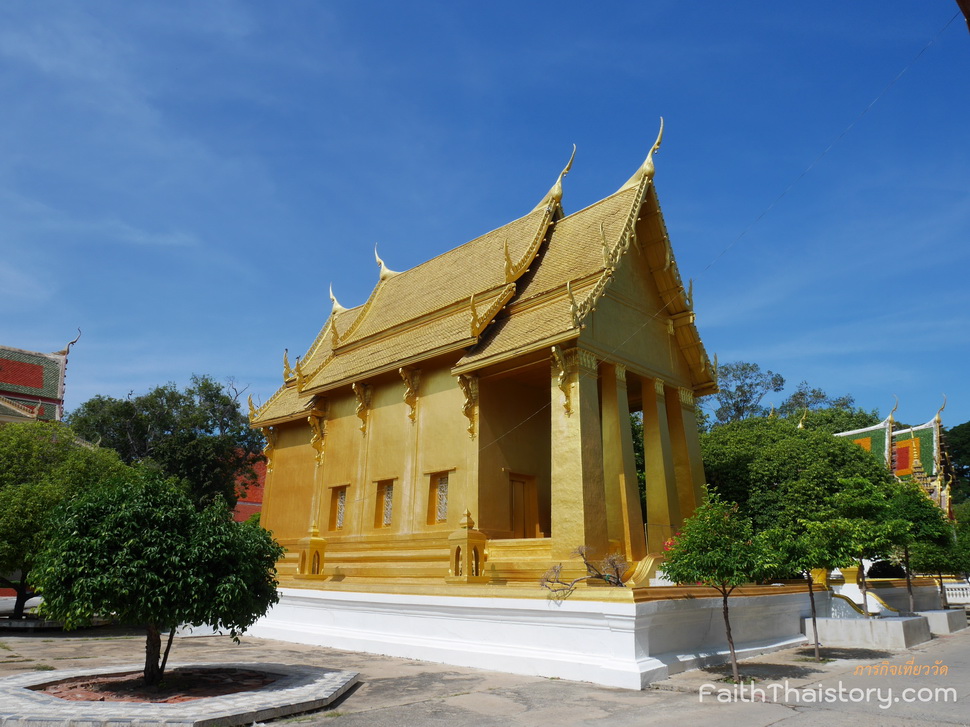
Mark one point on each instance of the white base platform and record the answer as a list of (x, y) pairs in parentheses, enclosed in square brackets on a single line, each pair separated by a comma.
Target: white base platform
[(898, 632), (621, 644), (945, 622)]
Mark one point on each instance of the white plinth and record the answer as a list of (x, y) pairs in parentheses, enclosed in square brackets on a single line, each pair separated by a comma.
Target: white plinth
[(621, 644), (899, 632)]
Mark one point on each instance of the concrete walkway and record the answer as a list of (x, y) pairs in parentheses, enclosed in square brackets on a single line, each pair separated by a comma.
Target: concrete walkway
[(399, 692)]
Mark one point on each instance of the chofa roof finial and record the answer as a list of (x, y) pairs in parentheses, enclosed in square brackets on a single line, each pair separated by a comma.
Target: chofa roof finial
[(647, 169), (337, 308), (554, 195), (385, 271)]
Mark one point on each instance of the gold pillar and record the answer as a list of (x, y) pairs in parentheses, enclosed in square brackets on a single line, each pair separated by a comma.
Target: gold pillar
[(578, 507), (623, 516), (685, 446), (663, 506)]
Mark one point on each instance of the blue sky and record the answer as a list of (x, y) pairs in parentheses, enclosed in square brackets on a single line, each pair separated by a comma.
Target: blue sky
[(183, 180)]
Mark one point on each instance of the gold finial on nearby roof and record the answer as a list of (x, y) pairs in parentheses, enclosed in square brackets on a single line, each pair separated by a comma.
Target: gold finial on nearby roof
[(337, 308), (892, 420), (801, 422), (647, 169), (385, 271), (554, 195), (938, 419)]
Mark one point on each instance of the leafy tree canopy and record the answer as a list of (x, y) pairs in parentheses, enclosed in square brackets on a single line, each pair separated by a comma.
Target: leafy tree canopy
[(41, 465), (742, 386), (145, 554), (810, 398), (778, 473), (198, 435), (958, 445)]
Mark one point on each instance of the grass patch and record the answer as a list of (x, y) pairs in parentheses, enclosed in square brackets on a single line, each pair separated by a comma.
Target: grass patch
[(4, 647), (44, 667), (823, 660)]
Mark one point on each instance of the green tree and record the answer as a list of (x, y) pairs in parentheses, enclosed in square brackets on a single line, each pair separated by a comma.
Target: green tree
[(874, 528), (41, 465), (741, 387), (958, 445), (716, 547), (806, 397), (144, 553), (199, 435), (926, 525), (812, 545), (778, 473)]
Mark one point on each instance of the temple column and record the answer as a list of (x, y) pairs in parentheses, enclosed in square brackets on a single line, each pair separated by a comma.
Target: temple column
[(688, 469), (663, 506), (623, 516), (578, 506)]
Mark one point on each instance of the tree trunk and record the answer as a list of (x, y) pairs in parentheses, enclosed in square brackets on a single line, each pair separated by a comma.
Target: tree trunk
[(730, 639), (168, 648), (909, 580), (153, 648), (20, 589), (865, 590), (944, 601), (811, 598)]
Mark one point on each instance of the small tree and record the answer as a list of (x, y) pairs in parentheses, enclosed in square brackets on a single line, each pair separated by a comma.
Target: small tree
[(870, 520), (926, 526), (41, 464), (717, 548), (809, 546), (145, 555)]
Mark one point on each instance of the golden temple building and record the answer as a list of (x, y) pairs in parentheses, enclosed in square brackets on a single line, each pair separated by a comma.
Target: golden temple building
[(470, 422)]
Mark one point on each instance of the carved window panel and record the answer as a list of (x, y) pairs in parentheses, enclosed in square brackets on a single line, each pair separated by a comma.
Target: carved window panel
[(438, 499), (338, 507), (384, 513)]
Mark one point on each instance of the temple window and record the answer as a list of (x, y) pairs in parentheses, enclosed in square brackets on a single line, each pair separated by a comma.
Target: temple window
[(438, 499), (338, 507), (385, 504)]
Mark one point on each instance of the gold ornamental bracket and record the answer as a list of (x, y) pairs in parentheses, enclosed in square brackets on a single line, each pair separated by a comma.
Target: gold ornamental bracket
[(317, 419), (412, 379), (468, 383), (363, 394), (561, 371), (269, 433)]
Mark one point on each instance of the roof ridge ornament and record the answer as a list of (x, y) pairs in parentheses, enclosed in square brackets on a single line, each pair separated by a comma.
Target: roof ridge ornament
[(647, 169), (385, 271), (337, 308), (554, 195), (937, 418)]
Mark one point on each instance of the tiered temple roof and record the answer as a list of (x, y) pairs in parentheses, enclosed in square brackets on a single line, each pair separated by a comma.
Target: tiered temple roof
[(520, 288)]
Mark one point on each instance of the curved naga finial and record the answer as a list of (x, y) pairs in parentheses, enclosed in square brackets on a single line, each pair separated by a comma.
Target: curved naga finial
[(647, 169), (337, 308), (893, 410), (938, 419), (385, 271), (554, 195), (801, 422)]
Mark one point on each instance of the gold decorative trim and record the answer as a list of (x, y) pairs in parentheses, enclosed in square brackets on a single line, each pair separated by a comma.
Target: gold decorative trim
[(469, 388), (478, 323), (587, 360), (559, 368), (288, 378), (514, 271), (363, 394), (686, 396), (620, 372), (335, 306), (658, 387), (412, 379), (252, 409)]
